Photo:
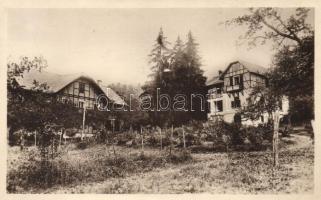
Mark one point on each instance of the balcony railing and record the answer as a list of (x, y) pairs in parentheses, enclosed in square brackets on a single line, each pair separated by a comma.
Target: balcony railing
[(233, 88), (215, 96)]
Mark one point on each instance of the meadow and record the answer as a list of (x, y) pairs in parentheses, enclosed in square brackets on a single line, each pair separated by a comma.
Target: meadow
[(101, 168)]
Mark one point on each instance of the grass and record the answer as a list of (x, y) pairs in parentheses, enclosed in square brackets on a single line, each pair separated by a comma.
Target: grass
[(74, 166), (234, 172)]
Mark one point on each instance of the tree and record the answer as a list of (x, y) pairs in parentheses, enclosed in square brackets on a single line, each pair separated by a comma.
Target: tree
[(159, 60), (188, 78), (269, 24), (133, 116), (293, 70), (293, 75), (262, 100), (293, 62), (35, 109), (185, 77)]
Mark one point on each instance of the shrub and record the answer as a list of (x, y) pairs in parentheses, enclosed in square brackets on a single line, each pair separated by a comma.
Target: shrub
[(82, 145), (123, 138), (255, 135), (236, 133), (180, 156)]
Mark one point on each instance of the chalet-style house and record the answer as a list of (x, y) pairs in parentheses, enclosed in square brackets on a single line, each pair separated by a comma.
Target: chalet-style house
[(228, 91), (79, 89)]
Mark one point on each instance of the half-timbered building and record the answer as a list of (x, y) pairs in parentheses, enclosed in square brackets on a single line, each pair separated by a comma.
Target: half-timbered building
[(228, 92), (78, 89)]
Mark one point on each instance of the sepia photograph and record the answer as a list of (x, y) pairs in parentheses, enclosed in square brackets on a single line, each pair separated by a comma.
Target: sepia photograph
[(160, 100)]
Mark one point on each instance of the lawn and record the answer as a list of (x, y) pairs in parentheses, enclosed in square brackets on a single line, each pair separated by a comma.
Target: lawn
[(232, 172)]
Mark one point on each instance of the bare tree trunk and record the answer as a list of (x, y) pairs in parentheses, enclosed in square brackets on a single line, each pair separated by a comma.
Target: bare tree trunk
[(161, 139), (35, 138), (276, 139), (171, 141), (142, 135), (184, 143)]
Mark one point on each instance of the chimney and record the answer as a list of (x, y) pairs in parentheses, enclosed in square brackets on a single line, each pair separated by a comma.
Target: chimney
[(99, 82), (220, 72)]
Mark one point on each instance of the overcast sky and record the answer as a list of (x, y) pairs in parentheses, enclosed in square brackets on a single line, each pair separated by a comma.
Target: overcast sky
[(113, 44)]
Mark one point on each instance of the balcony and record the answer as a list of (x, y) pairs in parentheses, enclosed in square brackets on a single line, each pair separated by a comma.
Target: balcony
[(233, 88), (215, 95)]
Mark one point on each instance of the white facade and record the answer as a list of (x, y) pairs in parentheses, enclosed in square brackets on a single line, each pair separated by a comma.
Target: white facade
[(228, 93)]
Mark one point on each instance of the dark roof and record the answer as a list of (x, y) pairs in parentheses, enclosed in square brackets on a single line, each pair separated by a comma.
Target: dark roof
[(250, 66), (111, 94), (56, 82), (214, 80), (253, 67)]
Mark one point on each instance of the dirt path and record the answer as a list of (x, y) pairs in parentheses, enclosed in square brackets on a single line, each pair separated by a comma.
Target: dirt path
[(297, 141)]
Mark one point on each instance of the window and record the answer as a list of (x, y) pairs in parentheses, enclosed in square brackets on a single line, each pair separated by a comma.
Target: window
[(81, 87), (262, 118), (280, 105), (218, 90), (231, 81), (212, 91), (236, 103), (81, 104), (236, 80), (219, 106)]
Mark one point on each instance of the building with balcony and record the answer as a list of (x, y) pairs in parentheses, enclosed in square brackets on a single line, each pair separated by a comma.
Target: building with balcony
[(228, 92)]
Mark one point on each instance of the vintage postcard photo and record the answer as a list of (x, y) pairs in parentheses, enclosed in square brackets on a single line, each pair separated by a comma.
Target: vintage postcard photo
[(216, 100)]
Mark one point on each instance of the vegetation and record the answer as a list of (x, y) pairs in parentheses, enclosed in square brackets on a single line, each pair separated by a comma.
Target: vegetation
[(96, 170), (293, 63), (176, 71), (97, 163)]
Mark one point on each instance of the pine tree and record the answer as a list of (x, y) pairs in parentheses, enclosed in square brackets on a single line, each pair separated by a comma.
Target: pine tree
[(158, 58), (159, 54), (185, 77), (194, 77)]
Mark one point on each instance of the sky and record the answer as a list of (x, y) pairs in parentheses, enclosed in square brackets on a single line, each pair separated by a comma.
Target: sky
[(113, 44)]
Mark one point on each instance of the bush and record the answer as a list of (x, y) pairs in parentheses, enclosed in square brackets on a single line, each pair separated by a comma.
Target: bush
[(82, 145), (180, 156), (255, 135), (123, 138)]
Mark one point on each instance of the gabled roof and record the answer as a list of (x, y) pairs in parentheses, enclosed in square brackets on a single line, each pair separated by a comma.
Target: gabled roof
[(257, 69), (253, 67), (214, 80), (250, 66), (111, 94), (56, 82)]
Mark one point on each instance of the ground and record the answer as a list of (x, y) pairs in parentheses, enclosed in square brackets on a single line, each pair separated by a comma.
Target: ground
[(233, 172)]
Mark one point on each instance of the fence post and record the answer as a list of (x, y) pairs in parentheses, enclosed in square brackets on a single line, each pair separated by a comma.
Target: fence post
[(184, 138), (142, 135), (161, 140), (171, 140), (276, 139), (35, 138)]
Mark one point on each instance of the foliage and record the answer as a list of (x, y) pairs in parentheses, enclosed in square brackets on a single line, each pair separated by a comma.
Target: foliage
[(269, 24), (36, 109), (294, 77), (133, 117), (261, 100), (176, 71), (293, 63)]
